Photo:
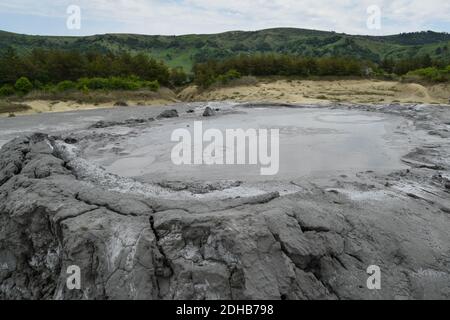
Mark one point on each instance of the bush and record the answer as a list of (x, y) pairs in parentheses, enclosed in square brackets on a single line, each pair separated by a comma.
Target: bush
[(50, 88), (431, 74), (66, 85), (23, 85), (6, 90), (38, 85), (229, 76), (114, 83), (93, 83), (132, 83), (84, 89), (178, 77), (152, 85)]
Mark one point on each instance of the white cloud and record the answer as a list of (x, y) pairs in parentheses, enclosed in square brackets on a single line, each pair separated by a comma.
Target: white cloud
[(210, 16)]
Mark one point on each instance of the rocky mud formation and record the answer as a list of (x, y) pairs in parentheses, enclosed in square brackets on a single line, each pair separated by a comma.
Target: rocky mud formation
[(314, 244)]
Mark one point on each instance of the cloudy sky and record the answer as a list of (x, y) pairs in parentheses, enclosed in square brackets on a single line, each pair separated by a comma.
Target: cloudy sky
[(49, 17)]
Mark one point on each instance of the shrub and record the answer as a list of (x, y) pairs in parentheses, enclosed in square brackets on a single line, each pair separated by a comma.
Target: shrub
[(112, 83), (93, 83), (50, 89), (131, 83), (23, 85), (66, 85), (152, 85), (178, 77), (84, 89), (227, 77), (431, 74), (6, 90), (38, 85)]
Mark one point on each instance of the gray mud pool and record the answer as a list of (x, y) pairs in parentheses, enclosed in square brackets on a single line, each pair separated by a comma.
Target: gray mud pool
[(313, 142)]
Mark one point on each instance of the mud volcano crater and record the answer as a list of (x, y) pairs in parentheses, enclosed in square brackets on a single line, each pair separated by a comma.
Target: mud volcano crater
[(357, 186), (313, 142)]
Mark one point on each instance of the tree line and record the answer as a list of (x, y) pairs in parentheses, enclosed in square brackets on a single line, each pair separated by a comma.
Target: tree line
[(279, 65), (224, 70), (403, 66), (53, 66), (66, 70)]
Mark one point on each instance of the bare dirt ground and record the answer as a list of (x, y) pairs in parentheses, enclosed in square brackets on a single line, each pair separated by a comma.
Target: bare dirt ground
[(281, 91), (40, 102), (302, 91)]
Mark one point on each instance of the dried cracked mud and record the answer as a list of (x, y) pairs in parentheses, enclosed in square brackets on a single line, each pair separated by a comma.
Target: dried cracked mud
[(175, 234)]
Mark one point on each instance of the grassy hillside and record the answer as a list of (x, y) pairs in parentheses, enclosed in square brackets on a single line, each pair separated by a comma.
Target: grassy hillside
[(185, 50)]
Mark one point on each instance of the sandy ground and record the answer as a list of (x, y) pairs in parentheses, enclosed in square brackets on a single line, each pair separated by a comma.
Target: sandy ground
[(73, 101), (281, 91), (40, 106), (351, 91)]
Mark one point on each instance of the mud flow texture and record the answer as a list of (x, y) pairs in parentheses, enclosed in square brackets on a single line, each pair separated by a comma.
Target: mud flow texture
[(306, 237)]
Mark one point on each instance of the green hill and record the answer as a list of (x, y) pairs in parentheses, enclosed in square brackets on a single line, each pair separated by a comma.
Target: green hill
[(188, 49)]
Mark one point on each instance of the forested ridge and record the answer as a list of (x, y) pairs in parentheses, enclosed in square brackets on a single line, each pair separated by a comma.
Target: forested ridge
[(187, 50), (130, 62)]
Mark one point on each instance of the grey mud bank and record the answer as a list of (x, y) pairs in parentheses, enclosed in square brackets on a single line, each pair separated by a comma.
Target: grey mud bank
[(149, 235)]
